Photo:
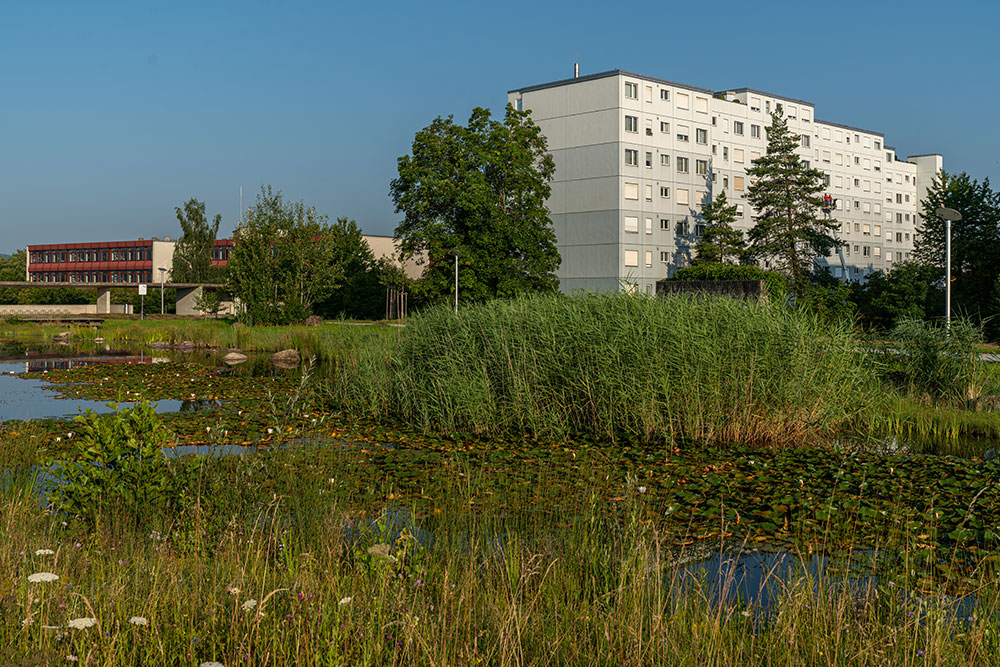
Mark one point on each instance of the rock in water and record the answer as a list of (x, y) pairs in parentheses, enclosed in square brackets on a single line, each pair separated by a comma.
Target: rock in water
[(233, 358), (286, 358)]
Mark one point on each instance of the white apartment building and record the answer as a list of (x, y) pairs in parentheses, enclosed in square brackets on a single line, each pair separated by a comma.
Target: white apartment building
[(637, 157)]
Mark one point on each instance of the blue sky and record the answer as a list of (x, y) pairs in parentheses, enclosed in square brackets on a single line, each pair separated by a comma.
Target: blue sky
[(112, 114)]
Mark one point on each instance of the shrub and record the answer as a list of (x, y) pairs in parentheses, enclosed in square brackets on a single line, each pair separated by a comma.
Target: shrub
[(941, 363), (117, 463)]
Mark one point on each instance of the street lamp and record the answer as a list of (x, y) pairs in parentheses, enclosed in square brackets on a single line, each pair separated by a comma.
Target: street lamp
[(456, 281), (948, 214), (163, 273)]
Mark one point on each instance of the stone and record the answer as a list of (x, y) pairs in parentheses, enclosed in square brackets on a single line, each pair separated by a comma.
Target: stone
[(233, 358), (286, 358), (313, 321), (62, 337), (98, 340)]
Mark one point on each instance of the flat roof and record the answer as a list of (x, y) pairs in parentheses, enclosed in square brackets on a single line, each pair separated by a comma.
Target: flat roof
[(604, 75), (849, 127), (767, 94), (926, 155)]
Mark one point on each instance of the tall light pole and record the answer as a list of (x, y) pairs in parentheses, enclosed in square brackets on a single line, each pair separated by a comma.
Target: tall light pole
[(456, 281), (163, 272), (947, 214)]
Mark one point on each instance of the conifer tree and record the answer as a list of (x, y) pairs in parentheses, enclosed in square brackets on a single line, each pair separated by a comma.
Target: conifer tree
[(788, 234), (720, 243)]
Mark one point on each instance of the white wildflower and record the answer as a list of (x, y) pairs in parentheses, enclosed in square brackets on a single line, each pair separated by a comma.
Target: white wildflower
[(138, 620), (233, 590), (26, 622), (44, 552), (270, 431), (39, 577), (746, 612), (82, 623), (379, 550), (642, 489), (346, 600), (211, 664), (248, 605), (72, 658)]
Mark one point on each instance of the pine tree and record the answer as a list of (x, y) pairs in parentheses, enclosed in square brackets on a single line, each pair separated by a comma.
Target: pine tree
[(787, 233), (720, 243)]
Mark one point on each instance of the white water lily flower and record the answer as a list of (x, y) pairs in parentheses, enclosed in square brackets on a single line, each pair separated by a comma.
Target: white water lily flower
[(82, 623), (44, 552), (346, 600), (248, 605), (138, 620), (39, 577)]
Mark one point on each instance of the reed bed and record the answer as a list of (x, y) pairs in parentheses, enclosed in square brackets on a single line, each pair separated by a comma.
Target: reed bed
[(611, 367)]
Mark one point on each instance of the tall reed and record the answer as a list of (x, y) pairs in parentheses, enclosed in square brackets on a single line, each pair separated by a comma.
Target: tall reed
[(614, 366)]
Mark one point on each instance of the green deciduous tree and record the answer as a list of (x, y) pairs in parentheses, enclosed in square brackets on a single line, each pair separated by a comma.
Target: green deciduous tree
[(360, 294), (975, 240), (284, 260), (479, 190), (720, 243), (193, 253), (910, 291), (787, 234)]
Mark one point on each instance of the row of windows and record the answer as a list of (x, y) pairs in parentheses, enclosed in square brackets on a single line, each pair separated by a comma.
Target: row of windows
[(220, 254), (92, 255), (91, 276)]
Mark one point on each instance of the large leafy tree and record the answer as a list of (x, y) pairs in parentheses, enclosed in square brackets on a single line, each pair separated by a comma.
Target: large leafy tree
[(720, 243), (975, 240), (479, 190), (284, 260), (193, 252), (910, 291), (788, 234)]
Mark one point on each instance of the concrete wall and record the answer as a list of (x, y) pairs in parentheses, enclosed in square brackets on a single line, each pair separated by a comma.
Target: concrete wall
[(385, 247), (55, 309), (163, 257), (754, 290)]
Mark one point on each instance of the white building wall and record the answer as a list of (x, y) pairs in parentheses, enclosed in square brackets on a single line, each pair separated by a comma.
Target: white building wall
[(637, 158)]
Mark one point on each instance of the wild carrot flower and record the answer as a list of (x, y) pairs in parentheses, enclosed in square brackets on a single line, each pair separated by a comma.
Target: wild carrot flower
[(138, 620), (344, 601), (249, 605), (211, 664), (39, 577), (82, 623), (44, 552)]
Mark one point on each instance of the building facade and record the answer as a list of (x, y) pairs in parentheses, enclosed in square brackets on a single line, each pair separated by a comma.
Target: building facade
[(638, 157)]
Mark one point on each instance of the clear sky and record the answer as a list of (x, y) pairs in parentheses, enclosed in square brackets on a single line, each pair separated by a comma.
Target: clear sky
[(113, 113)]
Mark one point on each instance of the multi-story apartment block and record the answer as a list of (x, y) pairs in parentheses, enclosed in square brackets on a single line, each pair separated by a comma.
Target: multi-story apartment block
[(637, 158)]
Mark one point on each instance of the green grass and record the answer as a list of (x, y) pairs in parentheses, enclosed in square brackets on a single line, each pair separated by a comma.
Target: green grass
[(614, 367)]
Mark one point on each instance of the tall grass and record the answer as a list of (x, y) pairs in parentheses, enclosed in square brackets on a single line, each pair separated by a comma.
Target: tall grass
[(613, 366)]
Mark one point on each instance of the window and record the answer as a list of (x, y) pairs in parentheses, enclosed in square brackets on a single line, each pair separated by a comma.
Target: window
[(739, 210), (682, 165), (701, 167), (664, 224), (664, 94), (649, 193), (715, 148), (631, 258), (683, 137), (631, 90), (725, 181), (649, 93), (701, 136), (681, 229), (631, 224), (738, 183), (649, 258), (683, 101), (755, 131), (649, 160), (631, 191), (878, 230), (866, 251), (649, 225), (631, 157), (867, 230), (737, 127), (701, 104), (857, 182), (878, 251), (664, 127), (682, 196), (857, 160), (805, 141), (665, 160), (664, 192), (899, 198), (631, 123), (725, 152), (664, 256), (737, 155)]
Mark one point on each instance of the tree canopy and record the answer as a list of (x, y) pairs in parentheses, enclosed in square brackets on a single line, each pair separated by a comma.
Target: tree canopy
[(193, 253), (787, 234), (479, 190), (284, 260), (975, 240), (720, 243)]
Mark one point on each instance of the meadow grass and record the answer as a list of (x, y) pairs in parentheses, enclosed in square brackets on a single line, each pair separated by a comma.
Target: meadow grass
[(272, 566), (714, 370)]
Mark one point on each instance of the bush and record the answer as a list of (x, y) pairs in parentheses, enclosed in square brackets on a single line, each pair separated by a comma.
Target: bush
[(117, 463), (940, 363), (775, 283)]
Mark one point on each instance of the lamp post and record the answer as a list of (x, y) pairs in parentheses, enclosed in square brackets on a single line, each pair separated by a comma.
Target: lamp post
[(948, 214), (163, 272), (456, 281)]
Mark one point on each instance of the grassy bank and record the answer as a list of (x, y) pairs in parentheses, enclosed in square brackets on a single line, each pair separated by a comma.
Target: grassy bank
[(615, 367)]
